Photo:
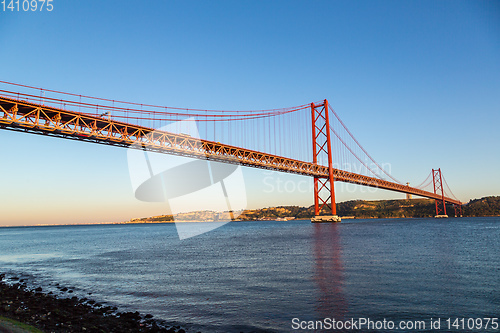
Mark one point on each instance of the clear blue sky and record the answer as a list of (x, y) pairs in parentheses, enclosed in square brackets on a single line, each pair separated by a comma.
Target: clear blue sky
[(417, 82)]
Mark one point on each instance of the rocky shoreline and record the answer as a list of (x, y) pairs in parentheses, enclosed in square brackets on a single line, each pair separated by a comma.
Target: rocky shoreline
[(50, 313)]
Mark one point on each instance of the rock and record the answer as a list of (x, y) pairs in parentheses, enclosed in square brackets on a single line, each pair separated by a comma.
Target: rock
[(54, 313)]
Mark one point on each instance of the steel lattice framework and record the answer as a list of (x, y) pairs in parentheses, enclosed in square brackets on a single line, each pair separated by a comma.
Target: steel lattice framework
[(324, 188), (35, 118), (438, 189)]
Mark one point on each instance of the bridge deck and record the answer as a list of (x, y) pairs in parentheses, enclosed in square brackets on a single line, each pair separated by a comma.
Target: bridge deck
[(35, 118)]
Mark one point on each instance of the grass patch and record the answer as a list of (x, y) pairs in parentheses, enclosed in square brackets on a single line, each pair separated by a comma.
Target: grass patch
[(17, 324)]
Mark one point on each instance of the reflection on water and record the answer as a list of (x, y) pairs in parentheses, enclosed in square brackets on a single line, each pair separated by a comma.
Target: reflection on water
[(328, 271)]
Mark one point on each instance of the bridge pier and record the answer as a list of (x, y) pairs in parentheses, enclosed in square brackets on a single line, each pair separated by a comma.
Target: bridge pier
[(324, 187), (325, 218)]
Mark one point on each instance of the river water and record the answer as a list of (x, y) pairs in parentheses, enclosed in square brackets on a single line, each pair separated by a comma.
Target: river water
[(274, 276)]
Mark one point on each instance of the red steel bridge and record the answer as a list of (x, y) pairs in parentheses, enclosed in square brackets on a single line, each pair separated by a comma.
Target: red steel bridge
[(309, 139)]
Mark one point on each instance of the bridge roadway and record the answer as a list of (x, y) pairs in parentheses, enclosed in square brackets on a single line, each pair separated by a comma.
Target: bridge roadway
[(35, 118)]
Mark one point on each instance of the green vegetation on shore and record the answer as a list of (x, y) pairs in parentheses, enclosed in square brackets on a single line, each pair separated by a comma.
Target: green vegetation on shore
[(14, 326), (487, 206)]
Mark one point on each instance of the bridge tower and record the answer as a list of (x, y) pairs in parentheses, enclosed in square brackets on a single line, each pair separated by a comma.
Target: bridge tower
[(437, 180), (324, 189)]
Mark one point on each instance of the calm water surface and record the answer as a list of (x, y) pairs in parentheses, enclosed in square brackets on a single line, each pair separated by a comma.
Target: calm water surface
[(258, 276)]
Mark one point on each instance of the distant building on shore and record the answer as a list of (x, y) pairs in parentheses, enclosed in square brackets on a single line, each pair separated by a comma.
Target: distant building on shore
[(408, 195)]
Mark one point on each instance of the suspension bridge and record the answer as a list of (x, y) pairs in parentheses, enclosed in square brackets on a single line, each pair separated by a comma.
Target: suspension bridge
[(308, 139)]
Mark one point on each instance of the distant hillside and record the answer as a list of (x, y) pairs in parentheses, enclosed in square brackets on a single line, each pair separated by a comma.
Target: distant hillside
[(387, 208), (488, 206), (353, 208)]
